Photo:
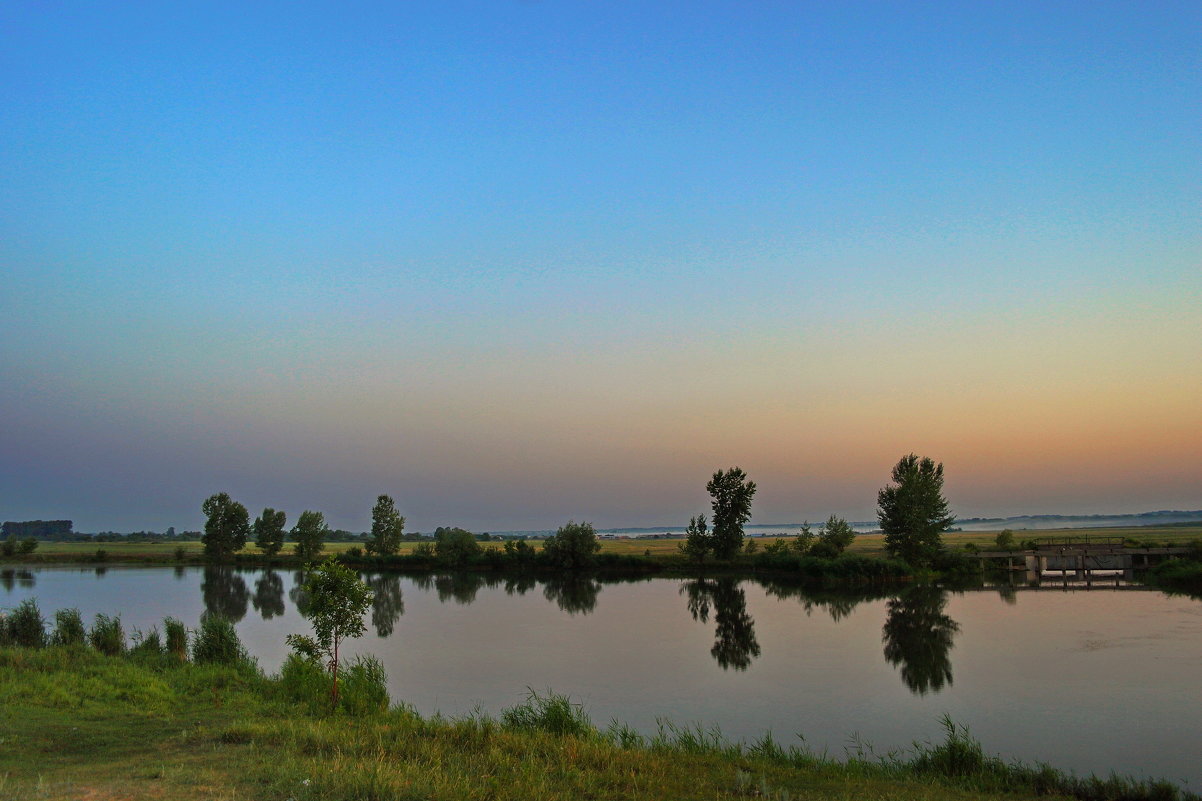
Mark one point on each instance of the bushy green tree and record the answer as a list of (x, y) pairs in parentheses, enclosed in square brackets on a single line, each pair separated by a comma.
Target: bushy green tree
[(573, 546), (269, 531), (310, 534), (337, 602), (697, 542), (804, 539), (455, 546), (913, 512), (836, 535), (226, 527), (387, 528), (731, 493), (519, 552)]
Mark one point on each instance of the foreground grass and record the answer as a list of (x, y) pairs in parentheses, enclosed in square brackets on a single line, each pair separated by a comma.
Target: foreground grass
[(79, 725)]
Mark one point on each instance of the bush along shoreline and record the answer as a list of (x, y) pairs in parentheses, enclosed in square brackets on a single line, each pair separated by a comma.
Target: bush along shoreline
[(92, 711), (844, 568), (781, 558)]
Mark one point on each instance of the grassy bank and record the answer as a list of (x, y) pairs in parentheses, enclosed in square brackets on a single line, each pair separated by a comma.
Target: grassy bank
[(659, 550), (82, 725), (865, 562)]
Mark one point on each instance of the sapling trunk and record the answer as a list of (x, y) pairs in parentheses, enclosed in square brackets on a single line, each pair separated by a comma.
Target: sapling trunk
[(336, 671)]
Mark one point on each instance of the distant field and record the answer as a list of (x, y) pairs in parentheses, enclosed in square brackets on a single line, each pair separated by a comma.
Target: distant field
[(867, 544)]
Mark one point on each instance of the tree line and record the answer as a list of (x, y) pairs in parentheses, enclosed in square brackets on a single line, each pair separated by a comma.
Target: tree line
[(228, 528), (911, 510)]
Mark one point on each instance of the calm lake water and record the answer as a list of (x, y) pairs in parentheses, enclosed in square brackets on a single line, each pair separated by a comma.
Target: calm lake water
[(1093, 680)]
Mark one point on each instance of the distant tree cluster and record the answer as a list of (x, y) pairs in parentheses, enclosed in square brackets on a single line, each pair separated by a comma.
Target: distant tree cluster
[(38, 529), (730, 493), (11, 546), (912, 511), (227, 529)]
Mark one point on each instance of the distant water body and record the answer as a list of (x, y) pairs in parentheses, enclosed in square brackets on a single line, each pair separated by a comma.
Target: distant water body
[(1016, 523)]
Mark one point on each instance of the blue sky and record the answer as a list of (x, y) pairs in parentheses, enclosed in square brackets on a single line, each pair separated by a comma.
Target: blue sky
[(519, 262)]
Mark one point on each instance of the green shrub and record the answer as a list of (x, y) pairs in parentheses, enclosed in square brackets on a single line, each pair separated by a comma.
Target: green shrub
[(364, 687), (551, 713), (958, 755), (1005, 540), (518, 552), (147, 647), (217, 642), (24, 626), (177, 638), (572, 546), (107, 636), (824, 550), (494, 558), (455, 546), (303, 680), (306, 681), (68, 628)]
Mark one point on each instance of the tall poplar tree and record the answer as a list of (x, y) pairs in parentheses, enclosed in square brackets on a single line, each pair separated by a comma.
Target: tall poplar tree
[(913, 512), (387, 527), (310, 533), (731, 492)]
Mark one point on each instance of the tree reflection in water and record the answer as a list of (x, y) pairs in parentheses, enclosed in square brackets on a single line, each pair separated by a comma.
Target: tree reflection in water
[(735, 645), (458, 587), (387, 605), (10, 578), (838, 603), (519, 585), (268, 599), (298, 596), (572, 593), (224, 593), (918, 638)]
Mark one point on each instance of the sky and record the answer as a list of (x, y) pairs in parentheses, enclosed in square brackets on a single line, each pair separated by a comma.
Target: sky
[(515, 263)]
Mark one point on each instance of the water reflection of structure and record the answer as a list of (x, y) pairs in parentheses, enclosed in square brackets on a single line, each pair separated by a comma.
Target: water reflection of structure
[(918, 638), (735, 645)]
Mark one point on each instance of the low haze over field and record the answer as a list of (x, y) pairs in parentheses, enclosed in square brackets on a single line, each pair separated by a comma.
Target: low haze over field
[(515, 262)]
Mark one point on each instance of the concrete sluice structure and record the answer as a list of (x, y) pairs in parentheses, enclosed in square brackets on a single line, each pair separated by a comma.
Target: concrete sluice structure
[(1099, 562)]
